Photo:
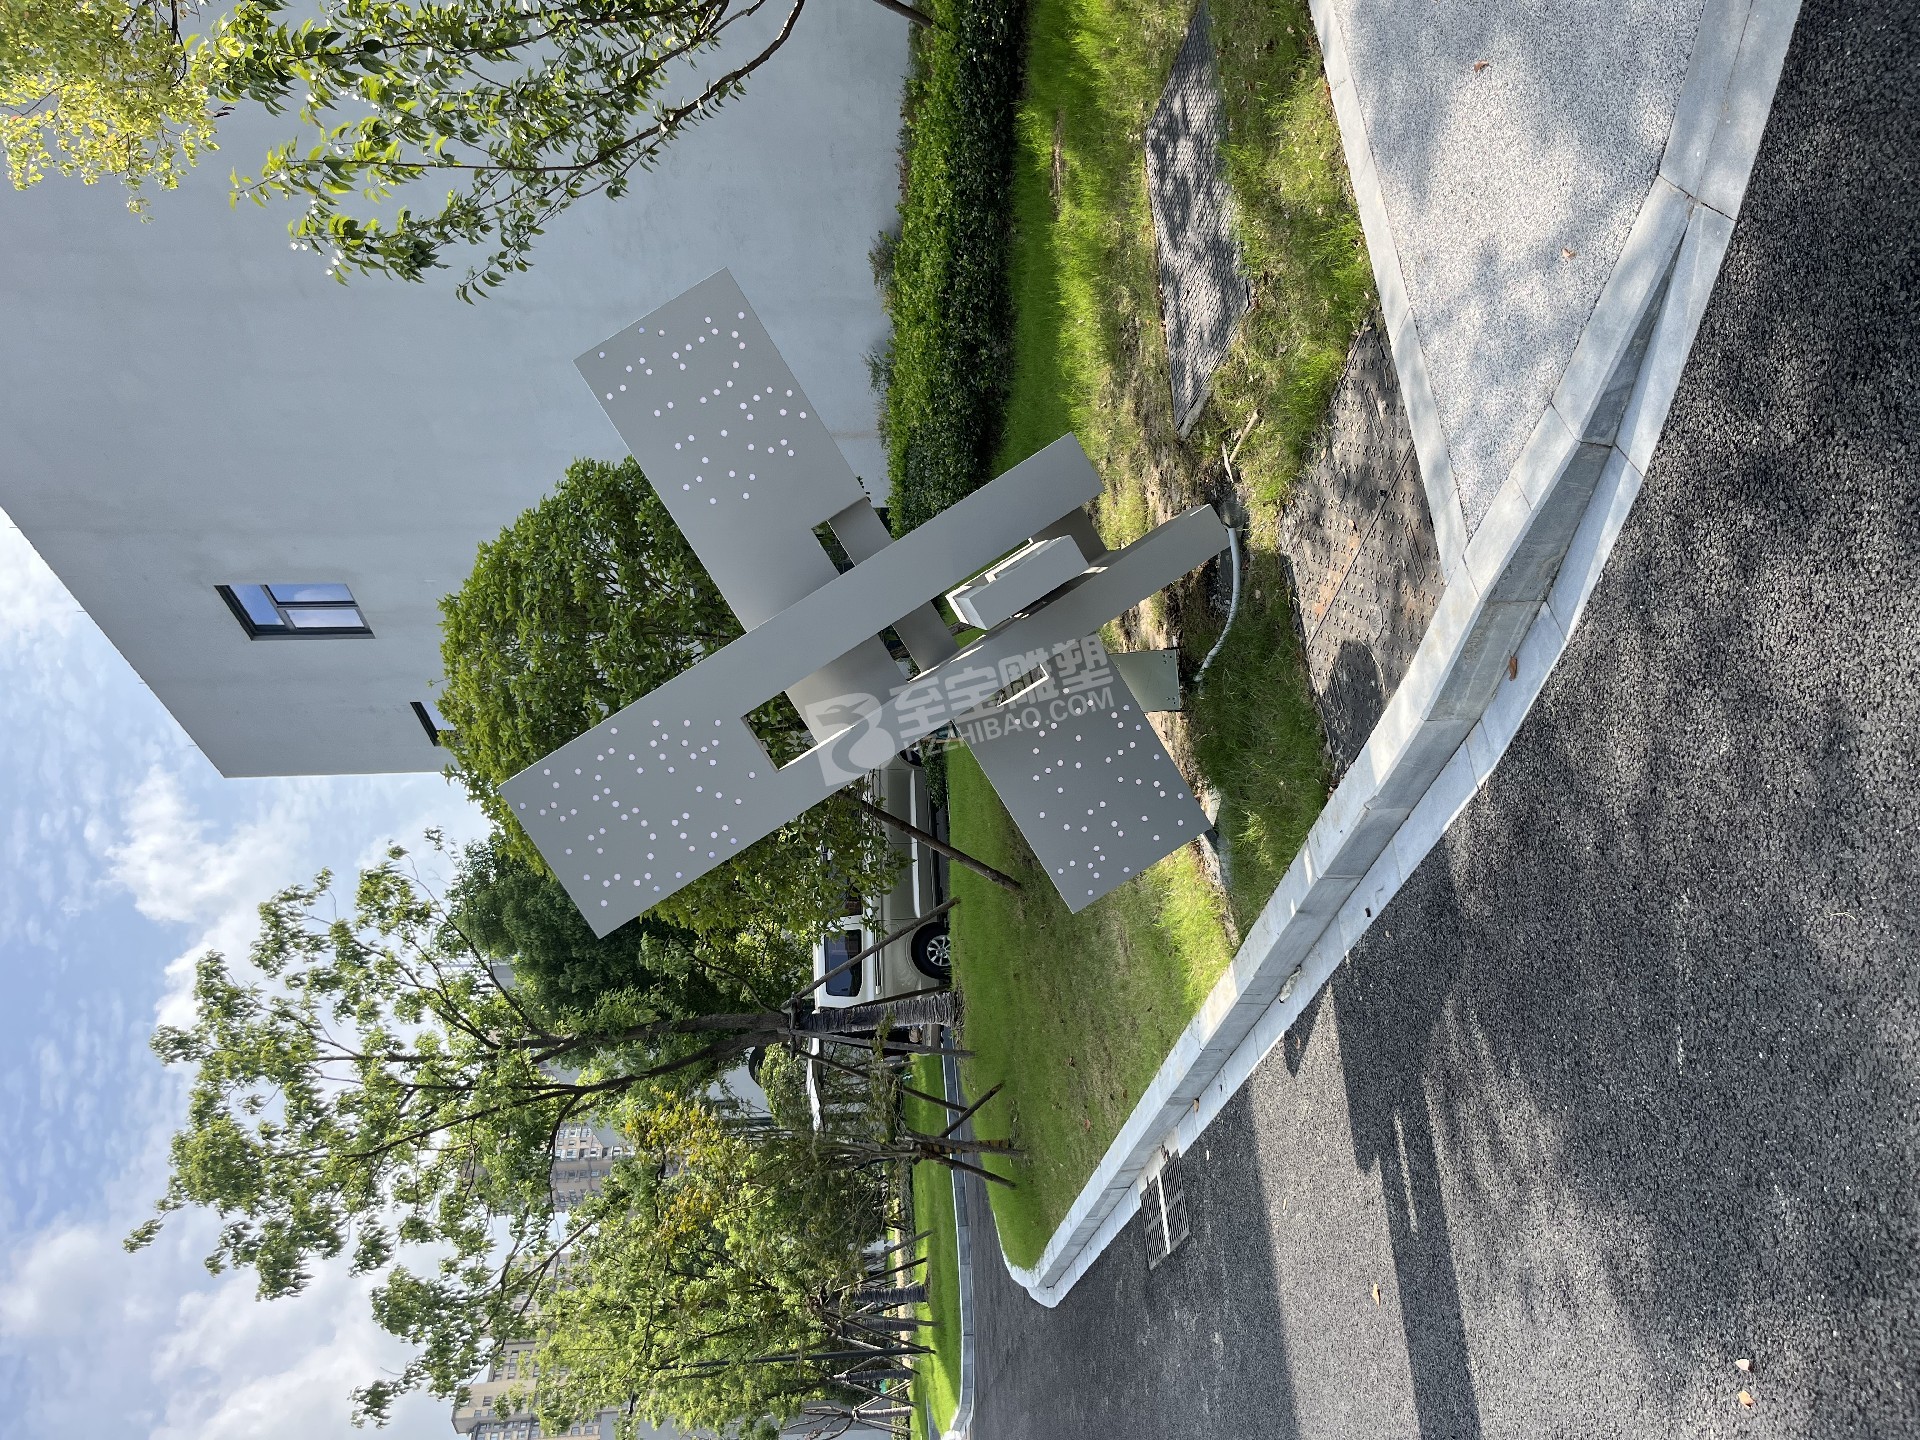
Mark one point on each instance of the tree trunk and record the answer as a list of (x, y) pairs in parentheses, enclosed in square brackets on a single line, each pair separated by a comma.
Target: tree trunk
[(919, 17), (940, 1008), (937, 845), (891, 1295), (900, 1373), (954, 1145)]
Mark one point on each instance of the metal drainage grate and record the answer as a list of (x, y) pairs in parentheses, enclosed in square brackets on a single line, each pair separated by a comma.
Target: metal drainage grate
[(1163, 1206)]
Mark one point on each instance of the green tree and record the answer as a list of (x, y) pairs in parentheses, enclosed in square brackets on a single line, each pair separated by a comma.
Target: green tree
[(584, 604), (710, 1288), (722, 1286), (378, 1089), (505, 111), (520, 915), (102, 88), (500, 113)]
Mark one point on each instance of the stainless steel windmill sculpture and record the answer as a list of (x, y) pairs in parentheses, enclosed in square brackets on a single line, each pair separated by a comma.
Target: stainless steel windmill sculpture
[(676, 783)]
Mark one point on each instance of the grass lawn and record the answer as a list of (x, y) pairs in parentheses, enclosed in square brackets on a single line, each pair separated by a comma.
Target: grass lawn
[(1089, 357), (1070, 1014), (1073, 1014), (936, 1385)]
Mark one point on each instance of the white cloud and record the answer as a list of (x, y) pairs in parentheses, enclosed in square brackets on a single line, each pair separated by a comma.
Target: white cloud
[(75, 719), (103, 802), (150, 1344), (179, 867), (117, 1340), (261, 1362), (32, 599), (174, 872), (169, 859), (58, 1286)]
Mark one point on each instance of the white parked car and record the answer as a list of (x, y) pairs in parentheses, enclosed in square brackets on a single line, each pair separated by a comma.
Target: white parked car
[(921, 958)]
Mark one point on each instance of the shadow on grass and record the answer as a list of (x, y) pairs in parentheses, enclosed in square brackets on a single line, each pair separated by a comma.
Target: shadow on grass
[(1257, 738)]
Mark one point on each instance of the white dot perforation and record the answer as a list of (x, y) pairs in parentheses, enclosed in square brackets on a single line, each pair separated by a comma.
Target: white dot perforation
[(1094, 793), (746, 459), (696, 817), (775, 430)]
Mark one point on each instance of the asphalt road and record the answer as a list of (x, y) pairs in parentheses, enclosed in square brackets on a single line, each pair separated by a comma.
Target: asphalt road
[(1625, 1085)]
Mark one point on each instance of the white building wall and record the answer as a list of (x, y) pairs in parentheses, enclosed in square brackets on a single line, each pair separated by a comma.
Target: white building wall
[(189, 402)]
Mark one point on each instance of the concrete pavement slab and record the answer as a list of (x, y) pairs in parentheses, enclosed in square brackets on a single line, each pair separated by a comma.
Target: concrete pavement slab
[(1514, 146)]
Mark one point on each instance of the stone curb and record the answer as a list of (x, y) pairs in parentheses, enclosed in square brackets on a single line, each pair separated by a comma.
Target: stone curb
[(961, 1426), (1515, 590)]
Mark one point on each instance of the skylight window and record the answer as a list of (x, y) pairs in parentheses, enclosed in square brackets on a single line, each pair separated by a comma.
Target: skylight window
[(431, 721), (281, 609)]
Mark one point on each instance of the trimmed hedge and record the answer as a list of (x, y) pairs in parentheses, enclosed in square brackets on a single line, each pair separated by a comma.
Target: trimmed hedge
[(949, 362)]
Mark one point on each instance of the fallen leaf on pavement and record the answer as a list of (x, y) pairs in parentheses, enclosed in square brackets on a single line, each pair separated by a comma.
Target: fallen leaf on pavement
[(1480, 65), (1567, 252), (1376, 1294), (1745, 1399), (1744, 1366)]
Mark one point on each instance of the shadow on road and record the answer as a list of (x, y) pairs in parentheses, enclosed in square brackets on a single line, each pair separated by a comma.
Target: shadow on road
[(1636, 1051), (1384, 1054), (1191, 1349)]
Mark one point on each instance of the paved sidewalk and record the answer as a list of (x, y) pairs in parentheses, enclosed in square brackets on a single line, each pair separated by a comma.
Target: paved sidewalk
[(1515, 145), (1624, 1086)]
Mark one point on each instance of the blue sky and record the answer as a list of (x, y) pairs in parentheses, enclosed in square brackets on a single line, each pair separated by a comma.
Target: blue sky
[(123, 855)]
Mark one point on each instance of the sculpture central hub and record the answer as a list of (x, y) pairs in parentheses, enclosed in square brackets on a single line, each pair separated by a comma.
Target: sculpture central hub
[(676, 783)]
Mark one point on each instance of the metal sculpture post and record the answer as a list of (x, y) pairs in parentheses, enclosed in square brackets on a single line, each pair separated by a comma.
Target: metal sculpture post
[(677, 783)]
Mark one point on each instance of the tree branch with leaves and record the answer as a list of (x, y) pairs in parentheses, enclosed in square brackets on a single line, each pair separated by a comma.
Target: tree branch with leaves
[(498, 114), (100, 89), (382, 1087)]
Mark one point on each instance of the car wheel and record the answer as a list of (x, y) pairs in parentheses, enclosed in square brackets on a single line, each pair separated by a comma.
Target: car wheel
[(933, 952)]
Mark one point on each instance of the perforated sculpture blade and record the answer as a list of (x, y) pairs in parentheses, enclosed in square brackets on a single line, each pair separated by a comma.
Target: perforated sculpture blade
[(676, 783)]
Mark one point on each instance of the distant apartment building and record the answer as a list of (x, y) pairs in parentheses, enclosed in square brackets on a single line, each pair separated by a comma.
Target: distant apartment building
[(482, 1417), (260, 483), (583, 1157)]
